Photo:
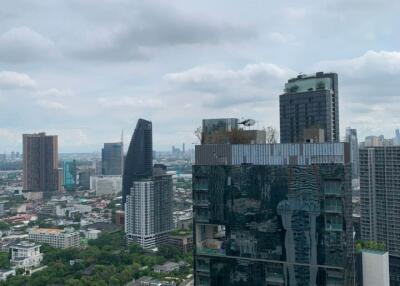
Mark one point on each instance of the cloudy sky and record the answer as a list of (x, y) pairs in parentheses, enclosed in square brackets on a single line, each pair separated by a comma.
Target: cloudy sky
[(86, 69)]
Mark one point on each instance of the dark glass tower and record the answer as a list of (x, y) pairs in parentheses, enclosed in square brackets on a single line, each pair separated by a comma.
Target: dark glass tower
[(310, 106), (273, 214), (112, 158), (139, 159)]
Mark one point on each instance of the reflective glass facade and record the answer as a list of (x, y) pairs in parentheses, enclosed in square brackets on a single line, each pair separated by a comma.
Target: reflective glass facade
[(70, 175), (273, 225), (139, 158), (310, 101)]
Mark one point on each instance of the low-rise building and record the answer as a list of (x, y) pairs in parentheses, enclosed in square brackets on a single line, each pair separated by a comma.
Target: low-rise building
[(58, 238), (92, 233), (183, 241), (150, 281), (5, 273), (25, 255), (106, 185), (167, 267)]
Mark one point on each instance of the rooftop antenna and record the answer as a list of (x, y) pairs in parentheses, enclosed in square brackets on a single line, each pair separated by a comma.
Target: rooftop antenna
[(122, 136)]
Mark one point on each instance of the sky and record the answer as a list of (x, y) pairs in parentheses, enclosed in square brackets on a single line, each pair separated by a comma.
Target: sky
[(87, 69)]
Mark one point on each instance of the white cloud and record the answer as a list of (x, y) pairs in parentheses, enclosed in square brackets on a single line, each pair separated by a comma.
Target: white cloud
[(22, 44), (51, 105), (370, 64), (8, 135), (130, 102), (14, 80), (53, 93), (282, 38), (224, 87)]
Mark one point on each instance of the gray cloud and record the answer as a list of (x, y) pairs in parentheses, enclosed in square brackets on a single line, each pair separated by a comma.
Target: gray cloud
[(104, 63), (150, 28)]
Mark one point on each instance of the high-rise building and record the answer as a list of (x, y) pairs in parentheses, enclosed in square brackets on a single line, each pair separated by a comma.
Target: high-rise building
[(112, 159), (351, 138), (139, 158), (379, 188), (148, 210), (273, 214), (84, 177), (310, 102), (70, 175), (380, 204), (40, 164)]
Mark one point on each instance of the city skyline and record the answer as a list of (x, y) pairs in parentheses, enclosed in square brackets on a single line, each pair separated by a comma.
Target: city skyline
[(86, 78)]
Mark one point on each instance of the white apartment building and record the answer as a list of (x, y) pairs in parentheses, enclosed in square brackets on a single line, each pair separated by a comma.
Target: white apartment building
[(57, 238), (106, 185), (25, 255), (148, 211)]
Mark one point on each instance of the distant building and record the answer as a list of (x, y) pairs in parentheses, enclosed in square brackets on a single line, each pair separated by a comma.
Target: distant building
[(148, 211), (120, 218), (2, 210), (112, 159), (310, 101), (92, 233), (32, 196), (25, 255), (106, 185), (377, 141), (40, 164), (55, 237), (84, 177), (60, 180), (351, 138), (70, 175), (139, 158)]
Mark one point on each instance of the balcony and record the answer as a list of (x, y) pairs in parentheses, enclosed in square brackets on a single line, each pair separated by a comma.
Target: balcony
[(334, 227), (200, 186), (210, 240), (275, 279), (332, 190), (333, 207)]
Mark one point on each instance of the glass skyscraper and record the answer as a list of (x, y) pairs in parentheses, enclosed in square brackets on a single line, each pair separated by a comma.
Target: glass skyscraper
[(310, 102), (112, 158), (273, 214), (70, 175), (139, 158)]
